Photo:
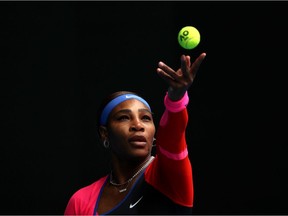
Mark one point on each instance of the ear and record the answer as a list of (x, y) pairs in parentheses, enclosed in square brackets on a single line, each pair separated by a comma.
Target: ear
[(103, 133)]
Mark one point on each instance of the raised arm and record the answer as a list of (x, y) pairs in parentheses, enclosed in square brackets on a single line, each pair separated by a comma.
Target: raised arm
[(171, 170)]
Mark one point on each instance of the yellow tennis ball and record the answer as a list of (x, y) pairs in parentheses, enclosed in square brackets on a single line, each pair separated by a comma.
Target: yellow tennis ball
[(189, 37)]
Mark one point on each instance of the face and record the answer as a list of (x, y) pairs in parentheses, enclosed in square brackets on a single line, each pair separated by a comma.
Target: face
[(130, 130)]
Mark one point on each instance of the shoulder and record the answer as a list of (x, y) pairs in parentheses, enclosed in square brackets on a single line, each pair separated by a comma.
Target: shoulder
[(83, 200), (86, 192)]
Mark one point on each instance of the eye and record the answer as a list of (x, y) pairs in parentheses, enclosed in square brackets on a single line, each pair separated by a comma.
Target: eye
[(147, 118), (123, 118)]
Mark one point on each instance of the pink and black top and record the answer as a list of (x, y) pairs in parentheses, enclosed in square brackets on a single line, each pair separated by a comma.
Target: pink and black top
[(164, 187)]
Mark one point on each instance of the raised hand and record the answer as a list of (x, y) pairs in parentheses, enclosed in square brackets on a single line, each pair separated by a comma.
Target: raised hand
[(179, 81)]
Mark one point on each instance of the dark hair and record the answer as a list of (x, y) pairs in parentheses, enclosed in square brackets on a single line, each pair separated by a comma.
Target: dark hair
[(107, 100)]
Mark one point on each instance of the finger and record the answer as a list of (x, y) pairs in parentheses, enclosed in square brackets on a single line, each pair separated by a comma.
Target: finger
[(188, 61), (185, 66), (196, 64), (166, 69), (165, 76)]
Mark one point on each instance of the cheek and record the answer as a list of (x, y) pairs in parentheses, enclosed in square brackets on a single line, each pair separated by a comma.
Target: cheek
[(117, 142), (152, 131), (117, 135)]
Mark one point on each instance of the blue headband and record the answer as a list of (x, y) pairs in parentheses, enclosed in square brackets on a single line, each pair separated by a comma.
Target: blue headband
[(113, 103)]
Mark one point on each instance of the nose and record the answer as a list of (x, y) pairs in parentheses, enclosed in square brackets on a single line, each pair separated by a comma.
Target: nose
[(136, 125)]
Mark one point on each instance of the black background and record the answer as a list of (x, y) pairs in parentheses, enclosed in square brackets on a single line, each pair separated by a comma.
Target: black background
[(59, 59)]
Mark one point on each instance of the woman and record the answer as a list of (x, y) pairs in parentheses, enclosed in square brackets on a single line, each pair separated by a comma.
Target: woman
[(140, 183)]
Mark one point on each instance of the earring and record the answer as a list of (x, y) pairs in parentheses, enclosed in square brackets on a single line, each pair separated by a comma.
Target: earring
[(153, 143), (106, 144)]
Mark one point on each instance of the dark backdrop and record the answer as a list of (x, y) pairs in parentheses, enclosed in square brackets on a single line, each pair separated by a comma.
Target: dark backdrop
[(59, 59)]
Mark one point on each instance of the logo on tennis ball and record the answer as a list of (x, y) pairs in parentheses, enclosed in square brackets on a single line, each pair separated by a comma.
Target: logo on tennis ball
[(189, 37)]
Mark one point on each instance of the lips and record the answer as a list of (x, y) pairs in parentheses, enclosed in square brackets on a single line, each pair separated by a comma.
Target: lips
[(139, 140)]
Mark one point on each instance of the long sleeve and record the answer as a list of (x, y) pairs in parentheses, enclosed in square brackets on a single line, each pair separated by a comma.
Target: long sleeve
[(83, 201), (171, 170)]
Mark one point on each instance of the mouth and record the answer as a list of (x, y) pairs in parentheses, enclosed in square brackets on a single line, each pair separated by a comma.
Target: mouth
[(137, 140)]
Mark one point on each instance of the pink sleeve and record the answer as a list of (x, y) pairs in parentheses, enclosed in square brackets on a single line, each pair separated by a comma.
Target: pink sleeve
[(71, 206), (84, 200), (176, 106), (171, 170)]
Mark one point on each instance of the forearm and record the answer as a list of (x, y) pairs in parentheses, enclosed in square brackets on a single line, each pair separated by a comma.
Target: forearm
[(171, 171), (171, 131)]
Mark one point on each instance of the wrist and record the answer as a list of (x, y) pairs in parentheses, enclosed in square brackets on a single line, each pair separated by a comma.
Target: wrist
[(176, 106), (176, 95)]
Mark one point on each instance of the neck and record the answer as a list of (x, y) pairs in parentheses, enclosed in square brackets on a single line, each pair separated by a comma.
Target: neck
[(120, 175)]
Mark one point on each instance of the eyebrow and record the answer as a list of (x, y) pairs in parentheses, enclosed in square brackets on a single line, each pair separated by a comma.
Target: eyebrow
[(129, 111)]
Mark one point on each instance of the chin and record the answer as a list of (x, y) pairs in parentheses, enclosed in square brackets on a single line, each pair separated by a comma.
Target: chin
[(140, 154)]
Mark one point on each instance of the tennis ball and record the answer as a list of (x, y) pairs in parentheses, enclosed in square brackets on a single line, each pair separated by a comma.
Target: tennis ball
[(189, 37)]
